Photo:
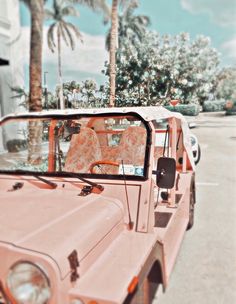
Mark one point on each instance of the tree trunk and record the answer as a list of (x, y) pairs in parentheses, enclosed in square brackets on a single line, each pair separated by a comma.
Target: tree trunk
[(113, 42), (148, 91), (35, 96), (36, 42), (35, 129), (62, 105)]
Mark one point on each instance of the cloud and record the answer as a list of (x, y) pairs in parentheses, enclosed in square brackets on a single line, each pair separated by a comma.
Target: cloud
[(87, 58), (222, 12), (230, 48)]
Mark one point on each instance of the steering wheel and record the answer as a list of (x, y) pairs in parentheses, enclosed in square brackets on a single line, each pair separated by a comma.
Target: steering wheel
[(102, 162)]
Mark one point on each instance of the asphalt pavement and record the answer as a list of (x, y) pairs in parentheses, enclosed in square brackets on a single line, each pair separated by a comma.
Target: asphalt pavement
[(205, 270)]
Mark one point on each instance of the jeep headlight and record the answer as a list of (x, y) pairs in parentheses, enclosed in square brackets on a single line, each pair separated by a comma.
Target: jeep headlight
[(28, 284)]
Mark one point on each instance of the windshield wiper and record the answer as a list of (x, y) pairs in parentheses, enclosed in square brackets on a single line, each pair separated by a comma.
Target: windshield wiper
[(86, 189), (51, 184)]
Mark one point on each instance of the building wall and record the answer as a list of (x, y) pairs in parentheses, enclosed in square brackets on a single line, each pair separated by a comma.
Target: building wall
[(11, 74), (11, 60)]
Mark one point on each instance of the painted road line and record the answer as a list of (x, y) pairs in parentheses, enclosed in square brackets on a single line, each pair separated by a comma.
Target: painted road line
[(207, 184)]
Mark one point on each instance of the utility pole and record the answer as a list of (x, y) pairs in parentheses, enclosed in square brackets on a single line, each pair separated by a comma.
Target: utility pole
[(45, 89)]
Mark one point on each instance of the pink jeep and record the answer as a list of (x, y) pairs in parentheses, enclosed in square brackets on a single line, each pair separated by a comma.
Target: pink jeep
[(94, 204)]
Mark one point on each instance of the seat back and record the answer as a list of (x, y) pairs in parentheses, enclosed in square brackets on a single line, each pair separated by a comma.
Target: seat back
[(132, 146), (83, 151)]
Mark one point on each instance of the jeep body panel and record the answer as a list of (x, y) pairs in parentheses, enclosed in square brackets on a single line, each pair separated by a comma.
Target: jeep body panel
[(119, 233), (46, 220)]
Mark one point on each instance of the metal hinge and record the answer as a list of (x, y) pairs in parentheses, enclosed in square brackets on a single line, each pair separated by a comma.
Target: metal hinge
[(86, 191), (16, 186), (74, 264)]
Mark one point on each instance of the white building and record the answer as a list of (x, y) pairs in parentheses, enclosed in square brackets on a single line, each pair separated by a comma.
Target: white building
[(11, 60)]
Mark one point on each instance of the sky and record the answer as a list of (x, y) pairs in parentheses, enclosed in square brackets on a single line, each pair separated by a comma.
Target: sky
[(213, 18)]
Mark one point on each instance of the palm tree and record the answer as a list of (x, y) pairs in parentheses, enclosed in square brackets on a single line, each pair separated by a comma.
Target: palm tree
[(112, 53), (35, 95), (127, 25), (36, 41), (65, 30), (62, 30), (130, 26)]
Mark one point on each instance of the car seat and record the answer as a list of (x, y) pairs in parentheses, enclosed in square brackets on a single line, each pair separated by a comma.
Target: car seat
[(83, 151), (132, 146)]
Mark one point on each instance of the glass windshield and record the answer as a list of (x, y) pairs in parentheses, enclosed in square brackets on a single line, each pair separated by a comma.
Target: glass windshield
[(88, 145)]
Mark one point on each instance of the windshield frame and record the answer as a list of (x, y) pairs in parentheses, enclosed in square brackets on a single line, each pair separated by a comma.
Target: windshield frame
[(86, 115)]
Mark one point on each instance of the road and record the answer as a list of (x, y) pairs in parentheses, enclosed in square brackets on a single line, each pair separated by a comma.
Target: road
[(205, 270)]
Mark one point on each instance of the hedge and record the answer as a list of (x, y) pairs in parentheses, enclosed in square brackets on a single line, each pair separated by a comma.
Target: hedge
[(213, 105), (189, 110), (230, 112), (230, 107)]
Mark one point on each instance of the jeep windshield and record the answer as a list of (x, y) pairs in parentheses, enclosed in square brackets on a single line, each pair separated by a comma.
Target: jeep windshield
[(97, 146)]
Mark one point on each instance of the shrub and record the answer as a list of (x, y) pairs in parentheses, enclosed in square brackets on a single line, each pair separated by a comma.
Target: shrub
[(214, 105), (189, 110)]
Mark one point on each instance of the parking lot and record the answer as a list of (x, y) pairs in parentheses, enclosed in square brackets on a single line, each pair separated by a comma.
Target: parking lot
[(205, 271)]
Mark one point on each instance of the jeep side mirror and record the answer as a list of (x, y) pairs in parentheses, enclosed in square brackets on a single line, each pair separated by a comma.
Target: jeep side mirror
[(165, 173)]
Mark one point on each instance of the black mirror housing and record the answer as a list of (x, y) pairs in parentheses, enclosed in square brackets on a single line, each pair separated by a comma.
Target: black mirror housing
[(165, 173)]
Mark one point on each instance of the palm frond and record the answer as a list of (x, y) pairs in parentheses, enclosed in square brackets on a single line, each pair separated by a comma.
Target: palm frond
[(126, 3), (17, 96), (144, 20), (50, 37), (56, 7), (70, 37), (48, 14), (20, 91), (75, 30), (64, 33), (70, 11), (129, 7), (108, 39)]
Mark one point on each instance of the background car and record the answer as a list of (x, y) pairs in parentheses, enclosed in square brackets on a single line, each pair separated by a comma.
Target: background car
[(195, 148)]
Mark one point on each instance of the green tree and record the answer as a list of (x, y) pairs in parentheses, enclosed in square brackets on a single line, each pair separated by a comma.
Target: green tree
[(124, 26), (157, 69), (226, 84)]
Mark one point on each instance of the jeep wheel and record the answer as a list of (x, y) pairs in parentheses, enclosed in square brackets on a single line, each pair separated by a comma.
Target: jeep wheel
[(191, 205), (147, 290)]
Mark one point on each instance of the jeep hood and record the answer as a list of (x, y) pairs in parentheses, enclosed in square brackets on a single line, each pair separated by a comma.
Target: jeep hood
[(56, 222)]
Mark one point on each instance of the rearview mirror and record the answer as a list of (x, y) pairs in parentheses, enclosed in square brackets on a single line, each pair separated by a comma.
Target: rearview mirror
[(165, 173), (70, 129)]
